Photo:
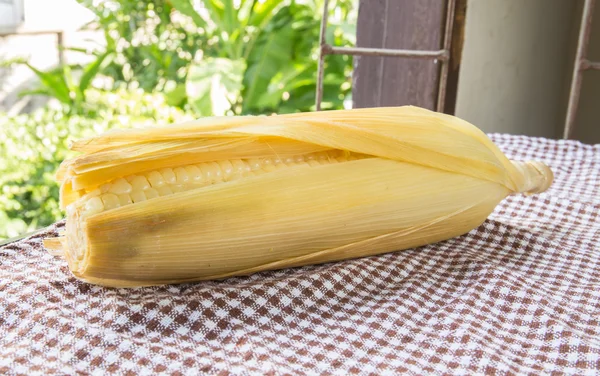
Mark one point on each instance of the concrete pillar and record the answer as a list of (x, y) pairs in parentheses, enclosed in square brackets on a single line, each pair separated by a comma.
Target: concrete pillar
[(514, 65)]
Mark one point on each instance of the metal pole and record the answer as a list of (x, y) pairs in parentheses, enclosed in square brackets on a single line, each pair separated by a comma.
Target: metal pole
[(61, 48), (579, 66), (593, 65), (321, 66), (441, 100), (442, 55), (362, 51)]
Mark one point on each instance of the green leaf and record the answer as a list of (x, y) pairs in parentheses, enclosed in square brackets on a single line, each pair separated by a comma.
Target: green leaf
[(54, 82), (216, 11), (7, 63), (185, 7), (74, 92), (177, 96), (263, 12), (229, 16), (89, 26), (271, 53), (221, 15), (246, 11), (214, 84), (75, 49), (40, 91), (292, 77), (348, 32), (90, 71)]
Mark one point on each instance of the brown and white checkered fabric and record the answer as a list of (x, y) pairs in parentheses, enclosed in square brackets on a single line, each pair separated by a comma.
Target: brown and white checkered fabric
[(518, 295)]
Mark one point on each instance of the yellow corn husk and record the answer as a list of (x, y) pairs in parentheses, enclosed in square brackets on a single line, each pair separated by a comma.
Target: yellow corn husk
[(230, 196)]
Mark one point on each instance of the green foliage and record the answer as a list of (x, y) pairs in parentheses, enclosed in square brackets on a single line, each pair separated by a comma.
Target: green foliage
[(204, 57), (270, 53), (152, 45), (214, 85), (172, 46), (278, 41), (165, 45), (60, 83), (35, 144)]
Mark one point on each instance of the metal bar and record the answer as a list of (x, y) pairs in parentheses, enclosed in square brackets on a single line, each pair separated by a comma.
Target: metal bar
[(591, 65), (362, 51), (582, 43), (25, 32), (321, 66), (442, 55), (61, 48), (441, 99), (383, 43)]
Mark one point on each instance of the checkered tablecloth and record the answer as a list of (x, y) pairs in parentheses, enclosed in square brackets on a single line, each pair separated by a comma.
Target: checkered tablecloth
[(518, 295)]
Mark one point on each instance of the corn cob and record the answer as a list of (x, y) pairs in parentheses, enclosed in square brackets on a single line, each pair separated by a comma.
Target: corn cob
[(220, 197)]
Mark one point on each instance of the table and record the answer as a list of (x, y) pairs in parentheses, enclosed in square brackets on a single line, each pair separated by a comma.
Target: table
[(518, 295)]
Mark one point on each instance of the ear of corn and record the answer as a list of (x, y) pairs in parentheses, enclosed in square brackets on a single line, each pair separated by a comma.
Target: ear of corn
[(232, 196)]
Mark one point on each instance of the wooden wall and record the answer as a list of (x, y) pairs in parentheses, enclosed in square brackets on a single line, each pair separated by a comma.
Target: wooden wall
[(398, 24)]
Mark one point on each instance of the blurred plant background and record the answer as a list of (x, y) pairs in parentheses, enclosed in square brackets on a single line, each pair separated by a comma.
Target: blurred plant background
[(162, 61)]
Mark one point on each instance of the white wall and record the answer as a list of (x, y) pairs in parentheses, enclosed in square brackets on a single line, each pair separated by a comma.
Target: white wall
[(41, 50), (514, 65), (11, 14), (52, 14)]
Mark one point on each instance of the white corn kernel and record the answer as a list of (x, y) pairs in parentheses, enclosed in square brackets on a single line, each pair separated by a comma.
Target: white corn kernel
[(93, 205), (181, 175), (139, 183), (267, 165), (110, 201), (194, 173), (155, 179), (211, 171), (120, 186), (125, 199), (138, 196), (168, 175), (254, 164), (164, 190), (226, 169), (151, 193)]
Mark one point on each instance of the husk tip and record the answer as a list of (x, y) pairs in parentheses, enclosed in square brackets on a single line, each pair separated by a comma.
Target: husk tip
[(537, 176)]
